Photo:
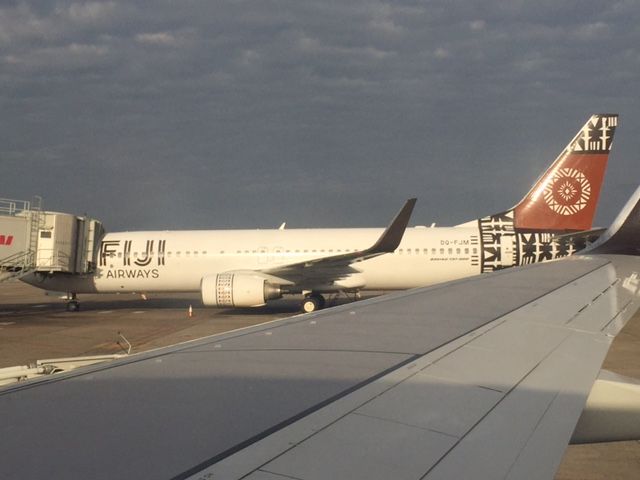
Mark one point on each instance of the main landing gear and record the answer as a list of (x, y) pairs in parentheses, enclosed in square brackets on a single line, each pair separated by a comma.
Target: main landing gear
[(73, 305), (313, 302)]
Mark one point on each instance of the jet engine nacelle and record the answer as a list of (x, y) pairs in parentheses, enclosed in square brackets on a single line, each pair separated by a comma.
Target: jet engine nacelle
[(237, 289)]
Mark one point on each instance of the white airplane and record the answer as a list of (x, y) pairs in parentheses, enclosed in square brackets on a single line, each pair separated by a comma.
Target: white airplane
[(247, 268)]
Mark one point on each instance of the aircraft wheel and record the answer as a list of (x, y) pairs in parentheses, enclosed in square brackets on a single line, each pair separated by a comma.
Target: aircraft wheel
[(73, 306), (312, 303)]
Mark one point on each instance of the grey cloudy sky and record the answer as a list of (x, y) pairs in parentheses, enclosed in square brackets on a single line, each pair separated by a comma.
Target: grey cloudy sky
[(234, 114)]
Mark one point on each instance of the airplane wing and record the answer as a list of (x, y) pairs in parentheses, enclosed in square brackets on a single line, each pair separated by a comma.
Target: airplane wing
[(478, 378), (335, 267)]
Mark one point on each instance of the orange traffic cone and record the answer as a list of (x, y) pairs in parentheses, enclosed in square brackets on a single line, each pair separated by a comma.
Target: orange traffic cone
[(190, 311)]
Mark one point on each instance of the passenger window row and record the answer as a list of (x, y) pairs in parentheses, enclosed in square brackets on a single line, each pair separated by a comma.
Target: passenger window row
[(400, 251), (436, 251)]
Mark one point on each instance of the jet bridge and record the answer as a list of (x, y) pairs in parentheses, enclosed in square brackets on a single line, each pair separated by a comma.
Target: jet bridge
[(34, 240)]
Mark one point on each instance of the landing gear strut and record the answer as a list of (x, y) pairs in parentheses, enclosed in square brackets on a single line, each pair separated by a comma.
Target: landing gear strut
[(73, 305), (313, 302)]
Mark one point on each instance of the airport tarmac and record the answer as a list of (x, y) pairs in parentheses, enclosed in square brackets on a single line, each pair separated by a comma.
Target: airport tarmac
[(36, 326)]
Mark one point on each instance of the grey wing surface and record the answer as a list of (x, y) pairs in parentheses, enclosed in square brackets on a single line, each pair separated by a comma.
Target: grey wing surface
[(479, 378)]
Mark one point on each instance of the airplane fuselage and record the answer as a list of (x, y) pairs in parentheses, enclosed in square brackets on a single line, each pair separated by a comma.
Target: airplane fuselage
[(176, 261)]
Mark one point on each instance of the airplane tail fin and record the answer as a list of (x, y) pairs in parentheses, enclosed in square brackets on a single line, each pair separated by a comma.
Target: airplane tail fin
[(566, 195)]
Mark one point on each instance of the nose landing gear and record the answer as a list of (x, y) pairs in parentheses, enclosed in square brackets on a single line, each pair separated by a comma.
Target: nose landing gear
[(73, 305)]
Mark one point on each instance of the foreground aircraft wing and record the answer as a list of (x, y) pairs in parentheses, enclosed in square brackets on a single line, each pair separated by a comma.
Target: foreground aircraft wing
[(335, 267), (479, 378)]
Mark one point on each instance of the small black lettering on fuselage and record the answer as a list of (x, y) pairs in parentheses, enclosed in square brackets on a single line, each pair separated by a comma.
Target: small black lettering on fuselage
[(454, 242)]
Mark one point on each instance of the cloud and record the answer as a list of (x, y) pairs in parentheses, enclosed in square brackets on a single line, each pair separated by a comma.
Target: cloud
[(88, 12), (477, 25), (386, 19), (343, 102), (158, 38), (314, 46), (30, 23), (591, 31), (61, 58), (441, 53)]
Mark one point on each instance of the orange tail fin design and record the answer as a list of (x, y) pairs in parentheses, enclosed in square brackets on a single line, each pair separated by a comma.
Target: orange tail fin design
[(566, 196)]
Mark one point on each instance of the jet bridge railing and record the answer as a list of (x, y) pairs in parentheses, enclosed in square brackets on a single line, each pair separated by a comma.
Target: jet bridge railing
[(18, 260), (53, 260), (10, 206)]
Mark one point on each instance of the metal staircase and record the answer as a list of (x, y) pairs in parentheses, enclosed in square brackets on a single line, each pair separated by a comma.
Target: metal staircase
[(36, 222), (16, 265)]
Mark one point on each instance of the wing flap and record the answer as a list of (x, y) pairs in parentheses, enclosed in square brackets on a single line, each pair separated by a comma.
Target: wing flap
[(567, 375), (349, 444), (533, 421)]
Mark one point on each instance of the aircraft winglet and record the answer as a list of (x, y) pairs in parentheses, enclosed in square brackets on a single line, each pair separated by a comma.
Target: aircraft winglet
[(623, 236), (392, 236)]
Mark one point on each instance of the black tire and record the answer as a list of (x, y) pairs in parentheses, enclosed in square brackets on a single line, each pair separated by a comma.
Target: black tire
[(73, 306)]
